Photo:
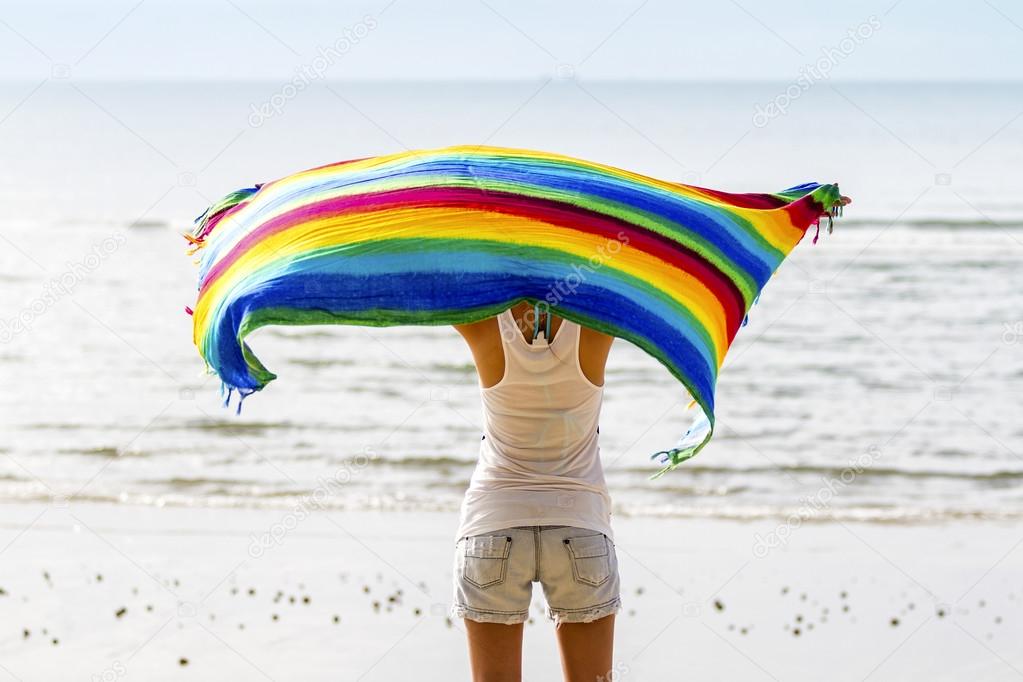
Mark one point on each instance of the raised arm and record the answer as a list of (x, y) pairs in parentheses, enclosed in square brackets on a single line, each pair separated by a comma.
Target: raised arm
[(484, 340), (594, 348)]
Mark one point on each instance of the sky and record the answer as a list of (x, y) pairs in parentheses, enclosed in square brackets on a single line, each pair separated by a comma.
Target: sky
[(714, 40)]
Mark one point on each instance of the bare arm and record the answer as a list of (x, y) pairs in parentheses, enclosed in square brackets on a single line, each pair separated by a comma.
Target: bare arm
[(484, 340), (594, 348)]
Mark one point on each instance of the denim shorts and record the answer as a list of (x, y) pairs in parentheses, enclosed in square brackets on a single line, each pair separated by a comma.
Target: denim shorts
[(494, 574)]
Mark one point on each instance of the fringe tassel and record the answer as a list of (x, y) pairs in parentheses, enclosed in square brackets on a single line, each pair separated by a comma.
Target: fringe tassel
[(673, 458), (243, 393), (212, 216)]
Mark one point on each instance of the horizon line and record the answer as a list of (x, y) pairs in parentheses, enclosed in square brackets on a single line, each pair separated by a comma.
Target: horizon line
[(537, 79)]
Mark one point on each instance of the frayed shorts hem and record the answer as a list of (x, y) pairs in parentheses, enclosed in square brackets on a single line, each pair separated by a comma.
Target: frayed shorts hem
[(502, 617), (586, 615)]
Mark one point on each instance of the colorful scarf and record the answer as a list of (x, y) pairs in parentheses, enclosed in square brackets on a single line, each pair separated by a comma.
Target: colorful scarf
[(457, 235)]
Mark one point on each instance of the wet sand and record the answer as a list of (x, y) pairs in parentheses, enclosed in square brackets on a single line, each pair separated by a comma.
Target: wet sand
[(119, 592)]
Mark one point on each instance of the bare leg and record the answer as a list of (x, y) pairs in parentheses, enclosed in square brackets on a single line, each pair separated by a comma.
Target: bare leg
[(587, 650), (495, 651)]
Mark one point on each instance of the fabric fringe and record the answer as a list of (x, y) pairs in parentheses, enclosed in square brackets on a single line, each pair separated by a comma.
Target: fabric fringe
[(692, 441), (212, 216), (243, 393), (832, 212), (673, 458)]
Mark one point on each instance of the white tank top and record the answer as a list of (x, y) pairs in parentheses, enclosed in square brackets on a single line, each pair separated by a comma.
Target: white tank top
[(539, 461)]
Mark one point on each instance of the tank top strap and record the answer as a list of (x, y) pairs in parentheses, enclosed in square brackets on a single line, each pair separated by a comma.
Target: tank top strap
[(507, 326), (567, 334), (568, 337)]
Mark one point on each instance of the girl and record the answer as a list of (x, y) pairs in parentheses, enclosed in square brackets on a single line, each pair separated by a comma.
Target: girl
[(537, 508)]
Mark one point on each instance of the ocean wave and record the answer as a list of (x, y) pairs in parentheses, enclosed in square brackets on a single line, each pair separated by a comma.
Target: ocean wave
[(286, 503), (943, 223)]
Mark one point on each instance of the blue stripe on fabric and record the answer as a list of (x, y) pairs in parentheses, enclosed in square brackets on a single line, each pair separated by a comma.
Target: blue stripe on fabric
[(632, 313)]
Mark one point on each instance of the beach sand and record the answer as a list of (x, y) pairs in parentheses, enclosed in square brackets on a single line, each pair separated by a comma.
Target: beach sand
[(119, 592)]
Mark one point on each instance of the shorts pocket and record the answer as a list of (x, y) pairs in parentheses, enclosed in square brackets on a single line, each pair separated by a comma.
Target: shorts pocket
[(591, 561), (485, 562)]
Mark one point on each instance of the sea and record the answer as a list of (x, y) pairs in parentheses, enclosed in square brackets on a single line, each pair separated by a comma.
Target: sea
[(879, 378)]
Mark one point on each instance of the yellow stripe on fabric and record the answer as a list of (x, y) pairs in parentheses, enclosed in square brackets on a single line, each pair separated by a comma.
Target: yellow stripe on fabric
[(775, 225)]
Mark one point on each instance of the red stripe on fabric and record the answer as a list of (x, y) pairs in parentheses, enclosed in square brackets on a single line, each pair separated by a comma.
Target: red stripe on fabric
[(805, 212), (761, 201)]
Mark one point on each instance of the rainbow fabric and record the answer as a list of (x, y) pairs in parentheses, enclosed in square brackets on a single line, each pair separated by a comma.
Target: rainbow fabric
[(456, 235)]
